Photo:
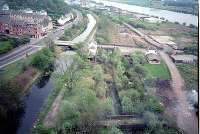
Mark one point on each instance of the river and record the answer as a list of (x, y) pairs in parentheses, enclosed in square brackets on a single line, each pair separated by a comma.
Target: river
[(168, 15), (34, 100)]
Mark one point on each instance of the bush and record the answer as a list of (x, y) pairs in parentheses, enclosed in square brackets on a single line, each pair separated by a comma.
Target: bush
[(5, 46), (193, 49), (43, 60)]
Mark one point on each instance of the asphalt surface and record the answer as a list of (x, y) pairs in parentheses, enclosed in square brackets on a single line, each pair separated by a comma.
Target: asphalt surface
[(36, 44)]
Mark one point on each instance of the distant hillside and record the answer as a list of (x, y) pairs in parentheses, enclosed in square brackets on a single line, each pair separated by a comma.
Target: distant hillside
[(55, 8)]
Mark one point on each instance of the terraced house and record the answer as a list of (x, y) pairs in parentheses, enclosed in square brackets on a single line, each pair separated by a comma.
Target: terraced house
[(34, 24)]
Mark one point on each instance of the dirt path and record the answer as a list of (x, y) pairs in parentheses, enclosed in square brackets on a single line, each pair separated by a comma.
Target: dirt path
[(186, 119), (51, 118)]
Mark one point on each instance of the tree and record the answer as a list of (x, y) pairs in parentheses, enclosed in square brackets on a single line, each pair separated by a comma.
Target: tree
[(138, 58), (87, 104), (98, 74), (10, 99), (43, 60), (68, 115), (127, 105)]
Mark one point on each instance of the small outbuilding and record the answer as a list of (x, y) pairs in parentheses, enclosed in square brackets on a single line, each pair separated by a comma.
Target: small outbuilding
[(187, 59), (153, 58)]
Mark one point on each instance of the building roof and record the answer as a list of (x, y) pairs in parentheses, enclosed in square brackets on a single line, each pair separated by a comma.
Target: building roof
[(184, 57), (152, 56), (23, 18)]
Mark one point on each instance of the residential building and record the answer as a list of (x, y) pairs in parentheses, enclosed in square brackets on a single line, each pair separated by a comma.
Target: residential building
[(153, 58), (66, 18), (34, 24)]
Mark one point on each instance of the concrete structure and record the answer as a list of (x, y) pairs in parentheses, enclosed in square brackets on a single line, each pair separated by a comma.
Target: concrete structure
[(66, 18), (188, 59), (24, 23), (5, 7), (151, 51), (92, 48), (153, 58)]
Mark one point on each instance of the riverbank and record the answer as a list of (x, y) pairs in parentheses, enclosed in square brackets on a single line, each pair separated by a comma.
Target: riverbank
[(168, 15), (187, 8)]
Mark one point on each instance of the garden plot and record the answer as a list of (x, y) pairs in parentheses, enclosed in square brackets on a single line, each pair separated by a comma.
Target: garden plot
[(125, 36)]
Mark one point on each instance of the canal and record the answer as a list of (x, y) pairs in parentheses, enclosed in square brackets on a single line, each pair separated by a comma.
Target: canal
[(33, 103)]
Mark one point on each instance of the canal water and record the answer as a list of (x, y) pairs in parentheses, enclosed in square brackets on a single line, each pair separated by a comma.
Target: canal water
[(34, 101)]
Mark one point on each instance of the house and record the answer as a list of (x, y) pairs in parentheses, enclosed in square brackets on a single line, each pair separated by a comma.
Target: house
[(151, 50), (18, 22), (64, 19), (92, 48), (187, 59), (5, 7), (153, 58)]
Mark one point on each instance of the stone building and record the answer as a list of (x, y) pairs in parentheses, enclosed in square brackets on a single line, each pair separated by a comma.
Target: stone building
[(20, 22)]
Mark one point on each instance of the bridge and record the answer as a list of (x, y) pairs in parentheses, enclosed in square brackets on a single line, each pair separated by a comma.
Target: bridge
[(125, 121), (64, 43)]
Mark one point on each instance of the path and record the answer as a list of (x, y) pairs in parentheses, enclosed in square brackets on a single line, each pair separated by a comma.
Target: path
[(186, 119)]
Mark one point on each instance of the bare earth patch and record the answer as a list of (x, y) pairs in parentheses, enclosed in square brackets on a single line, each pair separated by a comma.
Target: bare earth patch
[(124, 36)]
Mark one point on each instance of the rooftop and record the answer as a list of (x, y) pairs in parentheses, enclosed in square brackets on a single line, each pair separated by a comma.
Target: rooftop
[(184, 57)]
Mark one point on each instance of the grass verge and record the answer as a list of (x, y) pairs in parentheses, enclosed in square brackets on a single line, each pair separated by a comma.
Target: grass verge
[(158, 71)]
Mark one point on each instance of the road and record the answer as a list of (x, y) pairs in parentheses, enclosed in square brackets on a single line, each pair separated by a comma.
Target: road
[(83, 36), (36, 44)]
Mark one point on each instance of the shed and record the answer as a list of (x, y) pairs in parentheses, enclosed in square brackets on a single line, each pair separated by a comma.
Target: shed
[(153, 58), (188, 59)]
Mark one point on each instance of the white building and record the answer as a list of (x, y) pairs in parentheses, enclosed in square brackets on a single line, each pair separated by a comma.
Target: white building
[(92, 48), (65, 19), (5, 7)]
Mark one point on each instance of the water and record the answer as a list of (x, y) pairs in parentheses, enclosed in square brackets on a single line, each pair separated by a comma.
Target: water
[(34, 100), (168, 15)]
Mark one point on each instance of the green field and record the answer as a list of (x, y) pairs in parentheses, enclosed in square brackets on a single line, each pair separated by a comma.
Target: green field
[(158, 71)]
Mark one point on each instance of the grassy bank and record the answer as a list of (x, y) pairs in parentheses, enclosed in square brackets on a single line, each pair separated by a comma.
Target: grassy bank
[(158, 71), (74, 31), (9, 43), (104, 28)]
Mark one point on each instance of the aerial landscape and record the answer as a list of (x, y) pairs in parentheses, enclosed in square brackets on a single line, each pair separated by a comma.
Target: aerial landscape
[(99, 67)]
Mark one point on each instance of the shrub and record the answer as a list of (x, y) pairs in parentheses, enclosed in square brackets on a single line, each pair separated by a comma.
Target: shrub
[(43, 60), (5, 46)]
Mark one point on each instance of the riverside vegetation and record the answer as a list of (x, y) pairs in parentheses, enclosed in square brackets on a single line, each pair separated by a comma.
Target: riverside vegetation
[(15, 80), (86, 95)]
